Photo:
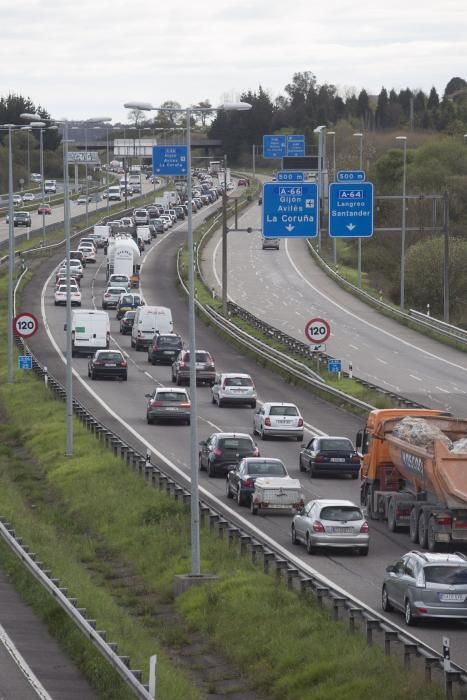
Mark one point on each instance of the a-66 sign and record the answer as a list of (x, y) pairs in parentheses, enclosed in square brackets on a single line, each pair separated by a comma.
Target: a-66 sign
[(25, 324), (317, 330)]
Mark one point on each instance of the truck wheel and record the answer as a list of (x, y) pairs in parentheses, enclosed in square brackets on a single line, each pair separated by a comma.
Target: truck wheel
[(430, 535), (413, 529), (422, 530), (392, 516)]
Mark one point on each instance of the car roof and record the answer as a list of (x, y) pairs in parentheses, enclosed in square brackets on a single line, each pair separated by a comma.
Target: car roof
[(177, 390), (335, 502), (232, 435), (440, 557), (235, 374), (263, 460), (278, 403), (109, 350)]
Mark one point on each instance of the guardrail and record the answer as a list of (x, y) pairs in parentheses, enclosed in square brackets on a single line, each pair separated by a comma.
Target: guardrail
[(425, 322), (263, 550)]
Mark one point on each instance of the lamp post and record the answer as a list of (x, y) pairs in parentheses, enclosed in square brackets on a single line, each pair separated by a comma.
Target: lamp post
[(27, 129), (404, 180), (359, 135), (146, 106), (334, 241), (41, 126), (321, 131)]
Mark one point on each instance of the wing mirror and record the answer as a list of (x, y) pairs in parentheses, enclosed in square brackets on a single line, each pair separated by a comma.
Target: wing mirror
[(391, 569)]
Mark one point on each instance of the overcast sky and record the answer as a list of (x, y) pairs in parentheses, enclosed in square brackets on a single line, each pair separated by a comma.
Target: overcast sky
[(85, 58)]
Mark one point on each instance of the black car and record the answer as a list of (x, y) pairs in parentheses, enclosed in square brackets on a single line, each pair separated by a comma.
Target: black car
[(330, 455), (126, 323), (164, 348), (180, 212), (22, 218), (240, 481), (222, 451), (108, 363)]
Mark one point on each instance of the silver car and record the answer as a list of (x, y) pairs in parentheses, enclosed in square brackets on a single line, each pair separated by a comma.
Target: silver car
[(234, 388), (169, 404), (276, 419), (331, 523), (426, 584)]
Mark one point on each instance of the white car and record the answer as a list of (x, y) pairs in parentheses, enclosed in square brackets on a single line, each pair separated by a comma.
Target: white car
[(112, 296), (276, 419), (167, 219), (89, 252), (75, 267), (28, 197), (62, 281), (234, 388), (61, 293), (17, 199)]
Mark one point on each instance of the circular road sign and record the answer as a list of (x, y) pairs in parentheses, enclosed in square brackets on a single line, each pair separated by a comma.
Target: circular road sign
[(317, 330), (25, 324)]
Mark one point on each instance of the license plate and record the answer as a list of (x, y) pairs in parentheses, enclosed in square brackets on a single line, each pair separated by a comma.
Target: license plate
[(452, 597), (344, 530), (167, 352), (171, 408), (200, 365), (284, 422), (110, 364), (337, 459)]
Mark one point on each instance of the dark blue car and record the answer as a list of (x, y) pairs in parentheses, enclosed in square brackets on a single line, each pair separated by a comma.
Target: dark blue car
[(335, 456)]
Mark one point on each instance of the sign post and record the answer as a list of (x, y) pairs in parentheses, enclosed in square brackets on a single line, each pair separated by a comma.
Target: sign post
[(169, 160), (290, 210), (351, 210), (25, 361)]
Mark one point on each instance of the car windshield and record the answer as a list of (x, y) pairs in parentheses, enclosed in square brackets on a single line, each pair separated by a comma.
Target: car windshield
[(283, 411), (114, 290), (111, 356), (341, 513), (236, 443), (200, 357), (168, 340), (447, 575), (238, 381), (266, 468), (171, 396), (119, 278), (127, 299), (330, 445)]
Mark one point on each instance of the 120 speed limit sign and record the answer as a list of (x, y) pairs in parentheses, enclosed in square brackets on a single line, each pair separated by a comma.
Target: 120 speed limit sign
[(25, 325), (317, 330)]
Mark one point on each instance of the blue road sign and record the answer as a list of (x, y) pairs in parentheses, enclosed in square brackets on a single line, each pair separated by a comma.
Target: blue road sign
[(350, 176), (335, 366), (290, 210), (169, 160), (274, 146), (351, 210), (290, 176), (296, 146), (25, 361)]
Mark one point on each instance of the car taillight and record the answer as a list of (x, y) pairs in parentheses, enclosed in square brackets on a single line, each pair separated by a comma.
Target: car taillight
[(300, 422), (267, 421), (185, 405), (249, 483), (443, 519), (123, 363), (364, 528), (319, 458), (217, 452), (355, 459), (181, 365), (156, 404), (96, 362), (106, 295), (256, 452), (318, 526), (224, 383)]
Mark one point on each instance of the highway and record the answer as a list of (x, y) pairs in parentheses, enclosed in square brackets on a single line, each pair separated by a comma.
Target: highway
[(123, 409), (381, 350)]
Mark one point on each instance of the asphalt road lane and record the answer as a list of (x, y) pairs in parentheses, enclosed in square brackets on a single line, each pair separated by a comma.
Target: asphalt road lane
[(286, 288), (360, 576)]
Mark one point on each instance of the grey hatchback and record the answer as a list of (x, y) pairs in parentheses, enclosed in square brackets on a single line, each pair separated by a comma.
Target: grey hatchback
[(426, 584)]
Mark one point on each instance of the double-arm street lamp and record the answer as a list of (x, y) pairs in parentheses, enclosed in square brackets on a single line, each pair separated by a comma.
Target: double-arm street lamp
[(187, 112), (404, 181)]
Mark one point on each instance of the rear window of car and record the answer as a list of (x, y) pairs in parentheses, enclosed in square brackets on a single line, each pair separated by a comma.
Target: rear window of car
[(236, 444), (114, 290), (130, 314), (341, 513), (112, 356), (200, 357), (238, 381), (119, 278), (266, 469), (329, 445), (448, 575), (164, 341), (283, 411), (176, 396)]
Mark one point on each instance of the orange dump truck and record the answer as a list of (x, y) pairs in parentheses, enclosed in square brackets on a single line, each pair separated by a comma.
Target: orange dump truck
[(419, 487)]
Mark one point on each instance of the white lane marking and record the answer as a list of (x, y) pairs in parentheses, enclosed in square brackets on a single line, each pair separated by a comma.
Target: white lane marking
[(383, 362), (414, 376), (23, 665), (149, 375), (353, 346), (372, 325), (440, 388)]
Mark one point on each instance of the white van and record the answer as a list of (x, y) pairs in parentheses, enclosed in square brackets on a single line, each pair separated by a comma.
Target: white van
[(90, 331), (150, 320), (144, 232), (113, 193)]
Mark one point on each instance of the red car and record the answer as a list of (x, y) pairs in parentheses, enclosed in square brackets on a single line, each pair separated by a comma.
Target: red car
[(44, 209)]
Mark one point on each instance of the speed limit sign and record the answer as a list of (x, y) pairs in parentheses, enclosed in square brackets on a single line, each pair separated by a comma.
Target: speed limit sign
[(25, 324), (317, 330)]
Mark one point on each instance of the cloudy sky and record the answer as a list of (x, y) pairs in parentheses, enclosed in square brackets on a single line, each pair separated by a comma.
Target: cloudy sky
[(85, 58)]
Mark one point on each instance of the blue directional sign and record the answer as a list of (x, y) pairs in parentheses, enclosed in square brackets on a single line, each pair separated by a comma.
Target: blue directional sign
[(351, 210), (296, 146), (290, 210), (274, 146), (335, 366), (350, 176), (25, 361), (290, 176), (169, 160)]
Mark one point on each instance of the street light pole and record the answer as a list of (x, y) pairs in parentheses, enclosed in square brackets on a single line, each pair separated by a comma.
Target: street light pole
[(69, 353), (195, 537), (359, 240), (11, 256), (404, 179), (334, 241), (41, 160), (86, 172), (224, 242), (321, 131)]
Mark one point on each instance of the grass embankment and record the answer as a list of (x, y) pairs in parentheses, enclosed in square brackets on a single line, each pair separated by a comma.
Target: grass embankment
[(116, 544)]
